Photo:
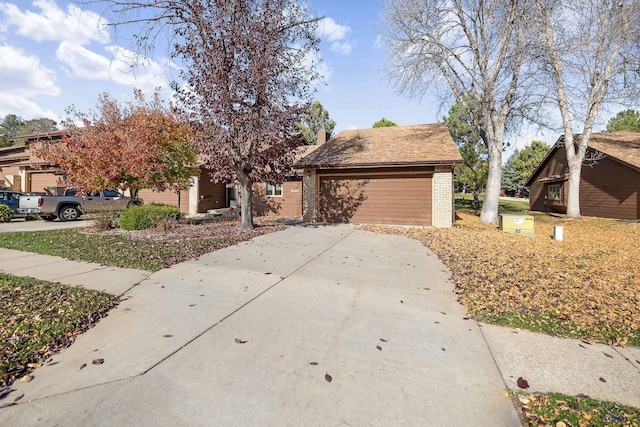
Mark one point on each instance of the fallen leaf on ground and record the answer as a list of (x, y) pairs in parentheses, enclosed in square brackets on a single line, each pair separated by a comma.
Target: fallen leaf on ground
[(98, 361), (239, 341), (522, 383), (328, 378)]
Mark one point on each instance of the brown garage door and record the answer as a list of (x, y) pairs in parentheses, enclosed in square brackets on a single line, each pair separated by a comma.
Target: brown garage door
[(404, 199), (41, 180)]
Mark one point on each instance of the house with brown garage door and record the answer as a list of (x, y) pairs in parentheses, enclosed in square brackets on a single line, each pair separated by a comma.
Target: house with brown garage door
[(394, 175), (609, 183), (21, 170)]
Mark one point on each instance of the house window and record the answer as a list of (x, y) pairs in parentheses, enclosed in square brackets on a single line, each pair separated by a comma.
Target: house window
[(274, 190), (553, 192)]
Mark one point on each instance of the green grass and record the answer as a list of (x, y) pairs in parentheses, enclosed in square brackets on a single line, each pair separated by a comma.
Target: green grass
[(115, 250), (465, 202), (38, 318), (553, 408)]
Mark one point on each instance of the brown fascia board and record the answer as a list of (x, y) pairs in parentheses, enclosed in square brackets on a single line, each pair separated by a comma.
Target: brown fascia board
[(378, 165)]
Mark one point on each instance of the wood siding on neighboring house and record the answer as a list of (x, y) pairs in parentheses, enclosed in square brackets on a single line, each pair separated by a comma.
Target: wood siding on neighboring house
[(608, 189), (554, 171), (375, 197), (165, 198), (8, 177), (287, 205)]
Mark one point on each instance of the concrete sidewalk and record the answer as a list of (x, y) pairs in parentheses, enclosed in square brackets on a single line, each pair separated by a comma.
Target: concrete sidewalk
[(323, 325)]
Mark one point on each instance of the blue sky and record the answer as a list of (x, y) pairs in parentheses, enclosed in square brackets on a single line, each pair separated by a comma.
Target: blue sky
[(54, 53)]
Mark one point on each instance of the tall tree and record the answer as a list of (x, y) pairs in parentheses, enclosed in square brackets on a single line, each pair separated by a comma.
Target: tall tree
[(142, 144), (315, 120), (477, 48), (247, 79), (624, 120), (384, 123), (521, 165), (472, 173), (41, 125), (9, 127), (590, 58)]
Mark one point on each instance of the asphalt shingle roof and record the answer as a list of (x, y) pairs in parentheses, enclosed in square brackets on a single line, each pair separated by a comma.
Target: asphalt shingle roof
[(398, 145), (624, 145)]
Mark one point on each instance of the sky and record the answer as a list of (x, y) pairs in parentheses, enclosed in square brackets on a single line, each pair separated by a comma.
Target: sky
[(56, 53)]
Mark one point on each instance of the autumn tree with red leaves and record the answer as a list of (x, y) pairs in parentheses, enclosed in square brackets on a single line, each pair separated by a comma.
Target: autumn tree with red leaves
[(247, 79), (141, 144)]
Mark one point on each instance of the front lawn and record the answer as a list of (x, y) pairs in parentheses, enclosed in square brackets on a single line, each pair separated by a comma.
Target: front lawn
[(507, 204), (144, 249), (39, 318), (587, 286)]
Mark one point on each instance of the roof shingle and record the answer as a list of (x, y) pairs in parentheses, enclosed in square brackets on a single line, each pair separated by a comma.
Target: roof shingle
[(623, 145), (398, 145)]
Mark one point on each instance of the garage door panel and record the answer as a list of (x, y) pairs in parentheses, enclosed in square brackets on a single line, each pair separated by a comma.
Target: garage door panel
[(376, 200), (42, 180)]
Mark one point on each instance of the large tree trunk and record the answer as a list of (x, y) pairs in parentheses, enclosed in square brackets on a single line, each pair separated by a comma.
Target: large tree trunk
[(246, 210), (573, 198), (489, 214)]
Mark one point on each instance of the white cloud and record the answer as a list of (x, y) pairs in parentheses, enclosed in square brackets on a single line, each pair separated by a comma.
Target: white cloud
[(332, 30), (55, 24), (336, 34), (23, 75), (121, 68), (343, 48), (20, 106)]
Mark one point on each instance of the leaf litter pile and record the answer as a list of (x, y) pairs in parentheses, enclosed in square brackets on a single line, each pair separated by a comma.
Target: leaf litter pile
[(40, 318), (586, 286)]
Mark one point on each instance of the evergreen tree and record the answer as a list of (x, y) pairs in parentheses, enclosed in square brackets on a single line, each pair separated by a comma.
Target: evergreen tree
[(317, 119), (521, 165), (384, 123), (624, 120)]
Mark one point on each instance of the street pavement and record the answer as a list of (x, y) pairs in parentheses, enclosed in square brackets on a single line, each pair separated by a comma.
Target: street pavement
[(310, 326)]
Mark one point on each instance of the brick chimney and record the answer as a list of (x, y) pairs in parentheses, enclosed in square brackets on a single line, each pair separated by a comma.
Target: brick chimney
[(322, 136)]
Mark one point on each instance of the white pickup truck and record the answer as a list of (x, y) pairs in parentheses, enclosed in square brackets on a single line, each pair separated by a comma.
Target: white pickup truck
[(69, 207)]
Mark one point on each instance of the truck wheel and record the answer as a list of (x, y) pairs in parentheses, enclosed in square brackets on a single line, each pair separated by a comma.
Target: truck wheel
[(68, 213)]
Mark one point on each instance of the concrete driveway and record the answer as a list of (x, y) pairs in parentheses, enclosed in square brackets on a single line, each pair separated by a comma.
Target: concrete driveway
[(20, 224), (311, 326)]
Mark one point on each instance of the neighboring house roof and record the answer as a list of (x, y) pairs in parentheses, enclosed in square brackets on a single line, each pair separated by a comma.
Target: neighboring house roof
[(622, 146), (13, 153), (428, 144)]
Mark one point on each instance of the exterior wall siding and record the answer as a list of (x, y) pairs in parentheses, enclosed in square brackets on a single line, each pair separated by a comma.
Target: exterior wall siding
[(289, 205), (556, 165), (166, 198), (7, 175), (608, 189)]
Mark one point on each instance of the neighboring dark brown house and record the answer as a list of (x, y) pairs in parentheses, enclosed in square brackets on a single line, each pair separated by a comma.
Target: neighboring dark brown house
[(394, 175), (609, 187)]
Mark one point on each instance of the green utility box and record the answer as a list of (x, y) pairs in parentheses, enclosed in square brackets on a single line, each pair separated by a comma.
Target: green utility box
[(516, 223)]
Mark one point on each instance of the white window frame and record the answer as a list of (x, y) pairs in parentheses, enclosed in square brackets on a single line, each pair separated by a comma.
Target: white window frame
[(274, 190)]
